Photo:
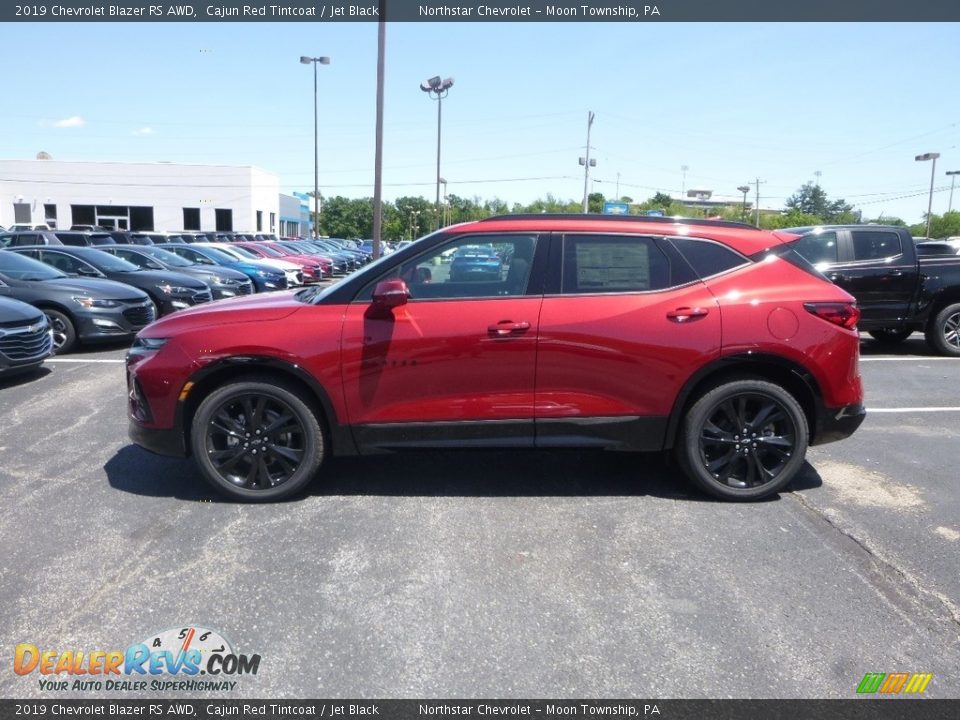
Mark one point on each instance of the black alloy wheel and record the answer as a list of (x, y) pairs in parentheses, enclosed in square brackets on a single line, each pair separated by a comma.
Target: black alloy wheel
[(744, 440), (257, 440)]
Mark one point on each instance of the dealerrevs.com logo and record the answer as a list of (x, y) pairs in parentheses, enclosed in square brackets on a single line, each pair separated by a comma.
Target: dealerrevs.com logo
[(168, 661)]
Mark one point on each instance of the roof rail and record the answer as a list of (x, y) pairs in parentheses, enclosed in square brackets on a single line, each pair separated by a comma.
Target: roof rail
[(620, 218)]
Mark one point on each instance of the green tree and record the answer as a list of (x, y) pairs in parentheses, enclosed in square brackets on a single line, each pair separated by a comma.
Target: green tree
[(661, 200), (941, 226), (811, 200), (595, 202)]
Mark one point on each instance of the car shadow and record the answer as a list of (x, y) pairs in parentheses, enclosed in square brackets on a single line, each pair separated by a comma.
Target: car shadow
[(456, 473), (23, 377), (913, 346)]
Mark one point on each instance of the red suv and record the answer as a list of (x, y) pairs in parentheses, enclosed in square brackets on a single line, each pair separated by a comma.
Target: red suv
[(713, 339)]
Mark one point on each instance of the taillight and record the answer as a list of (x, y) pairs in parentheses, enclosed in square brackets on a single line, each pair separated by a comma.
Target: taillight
[(839, 313)]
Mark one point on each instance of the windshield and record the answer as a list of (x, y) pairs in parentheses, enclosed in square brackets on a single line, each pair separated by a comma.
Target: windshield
[(168, 258), (269, 251), (239, 253), (107, 262), (19, 267)]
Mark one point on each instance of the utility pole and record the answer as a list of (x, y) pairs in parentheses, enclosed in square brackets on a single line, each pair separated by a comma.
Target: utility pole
[(617, 198), (953, 178), (743, 211), (683, 183), (587, 163), (378, 151), (757, 181)]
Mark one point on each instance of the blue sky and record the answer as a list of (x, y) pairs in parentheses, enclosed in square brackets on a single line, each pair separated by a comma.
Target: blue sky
[(731, 101)]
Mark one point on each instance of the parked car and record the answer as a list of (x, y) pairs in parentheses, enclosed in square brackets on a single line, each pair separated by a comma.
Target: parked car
[(28, 226), (79, 310), (168, 291), (81, 239), (310, 267), (25, 337), (715, 340), (125, 237), (264, 278), (223, 282), (898, 290), (947, 246), (291, 271), (475, 262), (19, 238)]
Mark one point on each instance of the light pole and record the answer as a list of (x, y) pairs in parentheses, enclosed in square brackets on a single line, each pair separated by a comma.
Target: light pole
[(587, 164), (307, 60), (438, 90), (933, 169), (445, 204), (953, 179), (414, 214), (743, 212)]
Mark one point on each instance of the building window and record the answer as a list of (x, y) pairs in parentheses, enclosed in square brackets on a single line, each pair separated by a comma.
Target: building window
[(259, 220), (50, 214), (21, 212), (273, 222), (191, 218), (224, 220)]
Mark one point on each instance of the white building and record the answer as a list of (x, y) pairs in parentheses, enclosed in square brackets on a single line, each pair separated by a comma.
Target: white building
[(139, 195)]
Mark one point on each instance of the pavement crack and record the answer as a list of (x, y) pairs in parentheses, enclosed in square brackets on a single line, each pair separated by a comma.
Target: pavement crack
[(930, 599)]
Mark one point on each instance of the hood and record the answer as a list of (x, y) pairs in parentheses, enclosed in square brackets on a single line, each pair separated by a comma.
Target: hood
[(162, 277), (96, 288), (246, 308), (14, 311)]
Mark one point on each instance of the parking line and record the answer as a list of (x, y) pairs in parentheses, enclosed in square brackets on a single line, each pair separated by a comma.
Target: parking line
[(904, 359), (79, 360), (912, 410)]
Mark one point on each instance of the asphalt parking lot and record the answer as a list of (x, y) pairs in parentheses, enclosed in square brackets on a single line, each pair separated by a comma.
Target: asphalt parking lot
[(492, 574)]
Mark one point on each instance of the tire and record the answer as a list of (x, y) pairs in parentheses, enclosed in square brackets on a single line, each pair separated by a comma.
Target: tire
[(711, 450), (890, 337), (64, 332), (943, 333), (255, 440)]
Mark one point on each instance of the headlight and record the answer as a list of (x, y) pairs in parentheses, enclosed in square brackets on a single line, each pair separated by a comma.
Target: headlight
[(145, 346), (174, 289), (89, 302), (263, 273), (216, 280)]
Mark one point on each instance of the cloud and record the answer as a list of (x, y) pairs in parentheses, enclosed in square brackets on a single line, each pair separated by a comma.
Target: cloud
[(75, 121), (143, 131)]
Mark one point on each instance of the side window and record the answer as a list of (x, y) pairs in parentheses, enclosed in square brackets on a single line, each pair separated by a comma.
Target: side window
[(6, 240), (474, 266), (708, 258), (611, 263), (875, 245), (27, 239), (818, 248), (64, 263)]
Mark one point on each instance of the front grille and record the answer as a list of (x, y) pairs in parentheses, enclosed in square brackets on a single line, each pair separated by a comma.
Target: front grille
[(245, 288), (202, 297), (26, 346), (139, 316)]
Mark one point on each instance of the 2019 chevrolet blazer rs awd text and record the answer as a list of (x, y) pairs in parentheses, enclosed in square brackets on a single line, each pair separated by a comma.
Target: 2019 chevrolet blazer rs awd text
[(714, 340)]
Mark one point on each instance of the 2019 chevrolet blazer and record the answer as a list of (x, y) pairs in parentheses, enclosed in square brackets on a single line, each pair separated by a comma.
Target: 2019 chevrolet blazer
[(714, 340)]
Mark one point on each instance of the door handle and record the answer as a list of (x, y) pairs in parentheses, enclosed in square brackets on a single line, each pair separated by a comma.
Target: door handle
[(893, 274), (508, 328), (686, 314)]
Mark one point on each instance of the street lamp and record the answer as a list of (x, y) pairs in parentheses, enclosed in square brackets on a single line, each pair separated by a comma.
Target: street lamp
[(933, 170), (306, 60), (743, 212), (414, 226), (438, 90), (953, 178)]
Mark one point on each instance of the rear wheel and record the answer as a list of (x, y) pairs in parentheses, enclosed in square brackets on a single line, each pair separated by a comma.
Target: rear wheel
[(890, 337), (743, 440), (64, 333), (943, 333), (255, 440)]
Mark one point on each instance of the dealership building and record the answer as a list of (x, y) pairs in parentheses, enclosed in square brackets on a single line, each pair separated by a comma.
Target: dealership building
[(145, 196)]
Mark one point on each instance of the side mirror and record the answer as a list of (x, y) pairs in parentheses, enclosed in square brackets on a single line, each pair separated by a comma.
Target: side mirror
[(88, 272), (391, 293)]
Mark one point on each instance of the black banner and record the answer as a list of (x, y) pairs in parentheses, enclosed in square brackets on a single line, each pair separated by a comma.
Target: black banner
[(204, 709), (486, 11)]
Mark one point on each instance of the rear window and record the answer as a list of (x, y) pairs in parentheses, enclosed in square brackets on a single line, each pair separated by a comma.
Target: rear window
[(708, 258)]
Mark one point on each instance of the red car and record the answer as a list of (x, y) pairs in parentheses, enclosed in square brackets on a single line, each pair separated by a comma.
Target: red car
[(312, 268), (715, 340)]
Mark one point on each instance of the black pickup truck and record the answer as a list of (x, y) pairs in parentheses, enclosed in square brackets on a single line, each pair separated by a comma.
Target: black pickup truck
[(898, 291)]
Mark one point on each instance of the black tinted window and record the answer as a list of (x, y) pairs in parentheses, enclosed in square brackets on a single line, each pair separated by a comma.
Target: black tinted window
[(818, 247), (708, 258), (875, 244), (68, 238), (603, 263)]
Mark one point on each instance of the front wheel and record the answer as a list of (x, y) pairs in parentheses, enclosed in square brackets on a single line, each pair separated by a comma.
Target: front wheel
[(943, 333), (63, 330), (255, 440), (743, 440)]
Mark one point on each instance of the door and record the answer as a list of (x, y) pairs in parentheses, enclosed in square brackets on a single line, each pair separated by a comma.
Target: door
[(457, 361), (880, 275), (620, 333)]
